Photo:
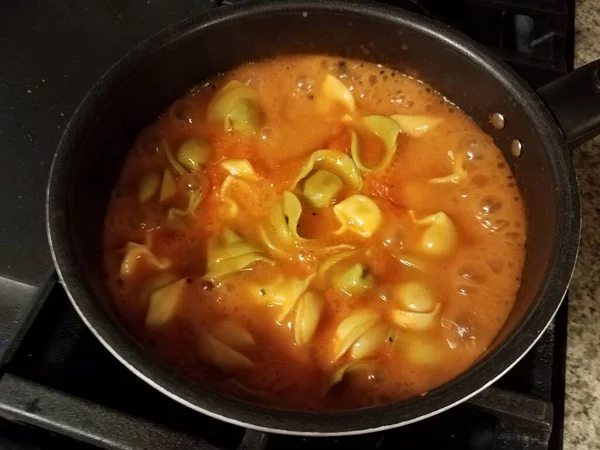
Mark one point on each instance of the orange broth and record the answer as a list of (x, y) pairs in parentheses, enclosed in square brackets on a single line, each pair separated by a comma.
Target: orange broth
[(475, 284)]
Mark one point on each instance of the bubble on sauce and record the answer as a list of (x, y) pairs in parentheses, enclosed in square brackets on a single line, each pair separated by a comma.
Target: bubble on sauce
[(489, 214), (479, 180), (304, 84), (513, 235), (466, 290), (266, 133), (491, 205), (392, 236), (472, 273), (496, 265), (475, 147)]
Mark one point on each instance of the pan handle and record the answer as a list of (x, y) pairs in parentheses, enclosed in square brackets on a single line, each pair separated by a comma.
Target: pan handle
[(574, 100)]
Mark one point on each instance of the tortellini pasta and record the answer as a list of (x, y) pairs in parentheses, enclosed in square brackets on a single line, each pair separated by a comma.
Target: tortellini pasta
[(418, 306), (334, 91), (361, 333), (240, 173), (237, 106), (134, 253), (348, 369), (168, 187), (283, 292), (458, 171), (307, 315), (416, 126), (358, 214), (194, 154), (154, 283), (176, 217), (353, 281), (164, 303), (385, 129), (148, 186), (226, 345), (282, 229), (418, 321), (240, 168), (415, 296), (231, 253), (337, 163), (418, 348), (173, 164), (321, 187), (440, 236), (335, 259)]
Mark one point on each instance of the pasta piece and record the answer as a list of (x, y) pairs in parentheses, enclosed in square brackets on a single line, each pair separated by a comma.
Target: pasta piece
[(334, 91), (168, 188), (233, 334), (135, 252), (336, 162), (440, 238), (161, 280), (283, 292), (334, 260), (224, 347), (348, 369), (354, 281), (233, 209), (240, 168), (244, 117), (352, 328), (222, 356), (358, 214), (232, 205), (416, 126), (240, 173), (321, 188), (370, 341), (176, 218), (308, 312), (385, 129), (418, 321), (164, 302), (337, 247), (458, 171), (237, 106), (231, 253), (415, 296), (283, 223), (148, 186), (415, 347), (285, 217), (173, 164), (412, 262), (194, 154)]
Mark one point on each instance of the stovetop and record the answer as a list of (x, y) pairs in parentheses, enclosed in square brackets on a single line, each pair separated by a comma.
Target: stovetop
[(59, 388)]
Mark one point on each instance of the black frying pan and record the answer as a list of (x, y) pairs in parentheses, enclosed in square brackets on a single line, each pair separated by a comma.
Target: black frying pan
[(138, 88)]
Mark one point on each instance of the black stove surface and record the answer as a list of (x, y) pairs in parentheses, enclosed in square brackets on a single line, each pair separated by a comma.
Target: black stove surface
[(59, 388)]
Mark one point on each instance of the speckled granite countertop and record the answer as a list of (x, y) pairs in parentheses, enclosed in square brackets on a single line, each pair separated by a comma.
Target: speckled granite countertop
[(582, 399)]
